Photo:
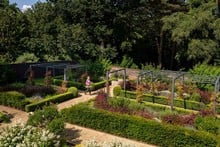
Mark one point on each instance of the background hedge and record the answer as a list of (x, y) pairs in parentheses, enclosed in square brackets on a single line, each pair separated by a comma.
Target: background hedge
[(137, 128)]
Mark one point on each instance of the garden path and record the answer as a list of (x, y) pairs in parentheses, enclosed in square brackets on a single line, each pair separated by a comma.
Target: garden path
[(81, 135)]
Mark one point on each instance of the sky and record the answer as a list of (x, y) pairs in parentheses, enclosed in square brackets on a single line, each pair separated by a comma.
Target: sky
[(24, 4)]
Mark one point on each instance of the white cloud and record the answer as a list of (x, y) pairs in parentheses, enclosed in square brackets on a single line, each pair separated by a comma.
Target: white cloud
[(25, 7)]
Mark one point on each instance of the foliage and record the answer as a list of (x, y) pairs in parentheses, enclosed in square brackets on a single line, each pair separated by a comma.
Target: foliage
[(136, 128), (208, 123), (48, 78), (27, 58), (187, 104), (41, 90), (78, 85), (73, 90), (97, 68), (139, 93), (47, 118), (49, 101), (13, 99), (117, 90), (127, 62), (24, 135), (4, 117)]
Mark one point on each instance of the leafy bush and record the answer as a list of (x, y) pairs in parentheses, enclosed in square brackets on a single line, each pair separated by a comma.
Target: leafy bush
[(4, 118), (56, 125), (13, 99), (209, 124), (12, 87), (136, 128), (24, 135), (73, 90), (116, 90), (47, 118)]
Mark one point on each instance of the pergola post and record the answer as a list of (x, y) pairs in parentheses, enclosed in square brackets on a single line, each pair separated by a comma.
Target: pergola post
[(172, 93), (64, 74), (216, 92), (107, 83)]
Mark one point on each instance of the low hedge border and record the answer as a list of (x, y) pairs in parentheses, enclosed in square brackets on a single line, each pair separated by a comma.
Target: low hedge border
[(45, 102), (137, 128), (94, 86), (186, 104), (13, 99), (78, 85)]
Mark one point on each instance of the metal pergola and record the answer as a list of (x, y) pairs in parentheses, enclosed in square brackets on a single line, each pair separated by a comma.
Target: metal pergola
[(62, 66), (175, 75), (115, 71)]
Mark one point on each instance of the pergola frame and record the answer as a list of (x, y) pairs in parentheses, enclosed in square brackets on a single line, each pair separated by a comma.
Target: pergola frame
[(115, 71), (174, 75), (64, 66)]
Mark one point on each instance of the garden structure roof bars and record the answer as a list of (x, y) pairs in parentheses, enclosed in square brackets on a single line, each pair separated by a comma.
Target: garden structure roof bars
[(53, 66), (174, 75)]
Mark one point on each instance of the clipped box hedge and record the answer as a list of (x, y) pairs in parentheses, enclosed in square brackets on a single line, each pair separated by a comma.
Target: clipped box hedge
[(94, 86), (13, 99), (137, 128), (186, 104), (78, 85), (45, 102), (98, 85)]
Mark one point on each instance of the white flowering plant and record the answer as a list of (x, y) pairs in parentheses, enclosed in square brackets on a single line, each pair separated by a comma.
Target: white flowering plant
[(22, 135)]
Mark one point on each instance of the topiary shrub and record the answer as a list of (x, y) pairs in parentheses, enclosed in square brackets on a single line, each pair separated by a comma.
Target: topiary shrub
[(73, 90), (116, 90)]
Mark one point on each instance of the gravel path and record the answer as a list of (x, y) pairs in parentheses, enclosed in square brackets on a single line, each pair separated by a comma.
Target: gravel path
[(81, 135)]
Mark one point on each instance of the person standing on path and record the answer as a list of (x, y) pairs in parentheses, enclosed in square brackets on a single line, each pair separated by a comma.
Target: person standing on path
[(88, 85)]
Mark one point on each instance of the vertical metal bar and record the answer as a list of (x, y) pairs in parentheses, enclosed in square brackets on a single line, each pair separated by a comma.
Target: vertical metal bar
[(215, 96), (64, 75), (124, 79), (107, 83), (173, 94)]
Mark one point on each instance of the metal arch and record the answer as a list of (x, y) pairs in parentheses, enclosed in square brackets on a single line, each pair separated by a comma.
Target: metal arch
[(107, 78)]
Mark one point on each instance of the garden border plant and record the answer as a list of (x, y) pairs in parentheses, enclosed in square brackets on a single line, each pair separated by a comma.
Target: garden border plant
[(133, 127)]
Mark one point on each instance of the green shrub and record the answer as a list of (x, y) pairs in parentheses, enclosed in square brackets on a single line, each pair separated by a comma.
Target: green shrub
[(73, 90), (51, 100), (137, 128), (209, 124), (4, 118), (40, 118), (117, 90), (13, 99), (119, 102), (56, 125)]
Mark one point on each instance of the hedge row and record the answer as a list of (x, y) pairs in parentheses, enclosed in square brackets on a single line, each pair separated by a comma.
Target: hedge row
[(13, 99), (78, 85), (45, 102), (186, 104), (98, 85), (137, 128), (94, 86)]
